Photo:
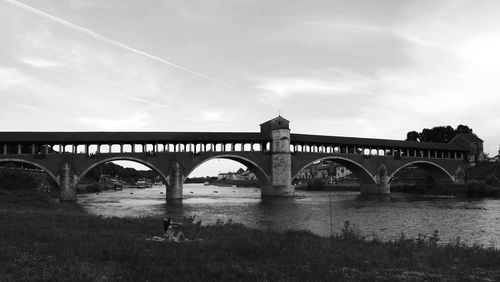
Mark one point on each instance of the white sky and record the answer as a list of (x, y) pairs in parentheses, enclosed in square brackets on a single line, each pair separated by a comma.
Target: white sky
[(377, 68)]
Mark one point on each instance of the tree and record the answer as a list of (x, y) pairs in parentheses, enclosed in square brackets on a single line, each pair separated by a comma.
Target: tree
[(463, 129), (412, 136), (425, 135), (440, 134)]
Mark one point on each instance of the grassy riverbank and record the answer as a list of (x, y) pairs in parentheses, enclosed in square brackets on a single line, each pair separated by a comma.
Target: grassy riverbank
[(41, 239)]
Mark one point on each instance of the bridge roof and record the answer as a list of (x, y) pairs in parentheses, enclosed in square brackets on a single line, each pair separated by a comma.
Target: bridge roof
[(375, 143), (102, 137)]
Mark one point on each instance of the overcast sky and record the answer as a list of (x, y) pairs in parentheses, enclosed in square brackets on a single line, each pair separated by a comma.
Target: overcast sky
[(375, 68)]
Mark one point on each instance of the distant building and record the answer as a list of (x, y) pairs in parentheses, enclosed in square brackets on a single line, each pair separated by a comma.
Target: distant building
[(238, 175), (324, 169), (496, 158), (471, 142), (248, 175)]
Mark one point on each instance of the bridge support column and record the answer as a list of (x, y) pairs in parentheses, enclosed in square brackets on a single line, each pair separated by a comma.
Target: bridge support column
[(67, 183), (175, 179), (459, 175), (382, 185), (281, 160)]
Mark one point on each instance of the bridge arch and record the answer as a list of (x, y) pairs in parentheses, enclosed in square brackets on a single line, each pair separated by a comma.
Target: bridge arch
[(124, 158), (50, 173), (356, 168), (436, 171), (262, 177)]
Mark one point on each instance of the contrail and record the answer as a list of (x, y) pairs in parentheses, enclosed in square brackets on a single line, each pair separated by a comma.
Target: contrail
[(108, 40)]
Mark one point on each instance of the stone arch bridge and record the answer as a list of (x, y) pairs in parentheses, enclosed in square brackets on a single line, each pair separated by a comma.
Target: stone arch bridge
[(274, 154)]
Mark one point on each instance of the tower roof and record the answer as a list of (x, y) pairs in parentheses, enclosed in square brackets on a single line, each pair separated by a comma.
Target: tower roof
[(276, 123)]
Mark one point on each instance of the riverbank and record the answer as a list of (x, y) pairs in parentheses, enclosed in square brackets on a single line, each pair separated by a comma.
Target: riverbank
[(474, 189), (471, 190), (237, 183), (321, 186), (42, 239)]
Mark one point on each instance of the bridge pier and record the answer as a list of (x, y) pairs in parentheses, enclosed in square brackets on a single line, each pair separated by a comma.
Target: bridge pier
[(382, 186), (67, 183), (175, 180), (281, 159), (459, 177)]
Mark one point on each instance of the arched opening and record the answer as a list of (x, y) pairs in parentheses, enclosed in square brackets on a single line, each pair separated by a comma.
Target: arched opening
[(22, 175), (120, 173), (127, 148), (419, 175), (228, 170), (334, 173), (80, 149)]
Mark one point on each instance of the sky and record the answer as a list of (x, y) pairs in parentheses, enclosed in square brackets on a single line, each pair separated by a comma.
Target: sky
[(377, 68)]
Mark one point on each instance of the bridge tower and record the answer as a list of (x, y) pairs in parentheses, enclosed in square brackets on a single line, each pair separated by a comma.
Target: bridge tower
[(278, 130)]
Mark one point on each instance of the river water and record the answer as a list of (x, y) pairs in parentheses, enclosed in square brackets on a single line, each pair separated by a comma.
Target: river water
[(383, 217)]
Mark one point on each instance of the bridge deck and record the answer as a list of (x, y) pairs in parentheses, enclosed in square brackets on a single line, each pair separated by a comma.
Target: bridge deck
[(208, 137)]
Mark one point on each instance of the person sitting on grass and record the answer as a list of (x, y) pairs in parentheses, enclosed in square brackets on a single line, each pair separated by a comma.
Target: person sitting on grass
[(169, 232)]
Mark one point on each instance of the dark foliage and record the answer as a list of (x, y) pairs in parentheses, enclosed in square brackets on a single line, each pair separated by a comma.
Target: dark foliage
[(128, 174), (11, 180), (209, 179), (440, 134), (412, 136)]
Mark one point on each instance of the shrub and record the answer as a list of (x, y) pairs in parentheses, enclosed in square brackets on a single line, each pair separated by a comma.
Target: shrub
[(316, 185), (348, 233), (491, 179), (477, 189)]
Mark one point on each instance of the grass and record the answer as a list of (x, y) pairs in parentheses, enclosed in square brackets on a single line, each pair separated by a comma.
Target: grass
[(43, 240)]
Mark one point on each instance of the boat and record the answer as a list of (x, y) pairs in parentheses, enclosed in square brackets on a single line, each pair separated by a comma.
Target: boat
[(141, 184), (206, 183)]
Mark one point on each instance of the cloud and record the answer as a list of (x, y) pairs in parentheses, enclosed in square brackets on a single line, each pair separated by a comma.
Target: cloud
[(10, 77), (97, 36), (331, 83), (285, 87), (134, 121), (211, 116), (339, 67), (40, 62)]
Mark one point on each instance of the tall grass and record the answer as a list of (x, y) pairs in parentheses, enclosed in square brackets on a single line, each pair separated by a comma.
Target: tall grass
[(51, 242)]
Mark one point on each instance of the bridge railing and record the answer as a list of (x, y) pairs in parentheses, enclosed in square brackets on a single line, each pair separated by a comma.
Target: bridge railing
[(368, 151), (41, 150)]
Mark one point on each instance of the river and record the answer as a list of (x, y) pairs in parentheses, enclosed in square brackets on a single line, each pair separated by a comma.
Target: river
[(384, 217)]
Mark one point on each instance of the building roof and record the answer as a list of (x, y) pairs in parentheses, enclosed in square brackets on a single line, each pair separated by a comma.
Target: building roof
[(278, 122), (370, 142), (471, 137)]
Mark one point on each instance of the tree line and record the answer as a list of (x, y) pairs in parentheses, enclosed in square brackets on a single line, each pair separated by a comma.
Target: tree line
[(439, 134), (125, 173)]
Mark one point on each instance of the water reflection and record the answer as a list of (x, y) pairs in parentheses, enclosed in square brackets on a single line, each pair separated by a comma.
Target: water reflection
[(384, 217)]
